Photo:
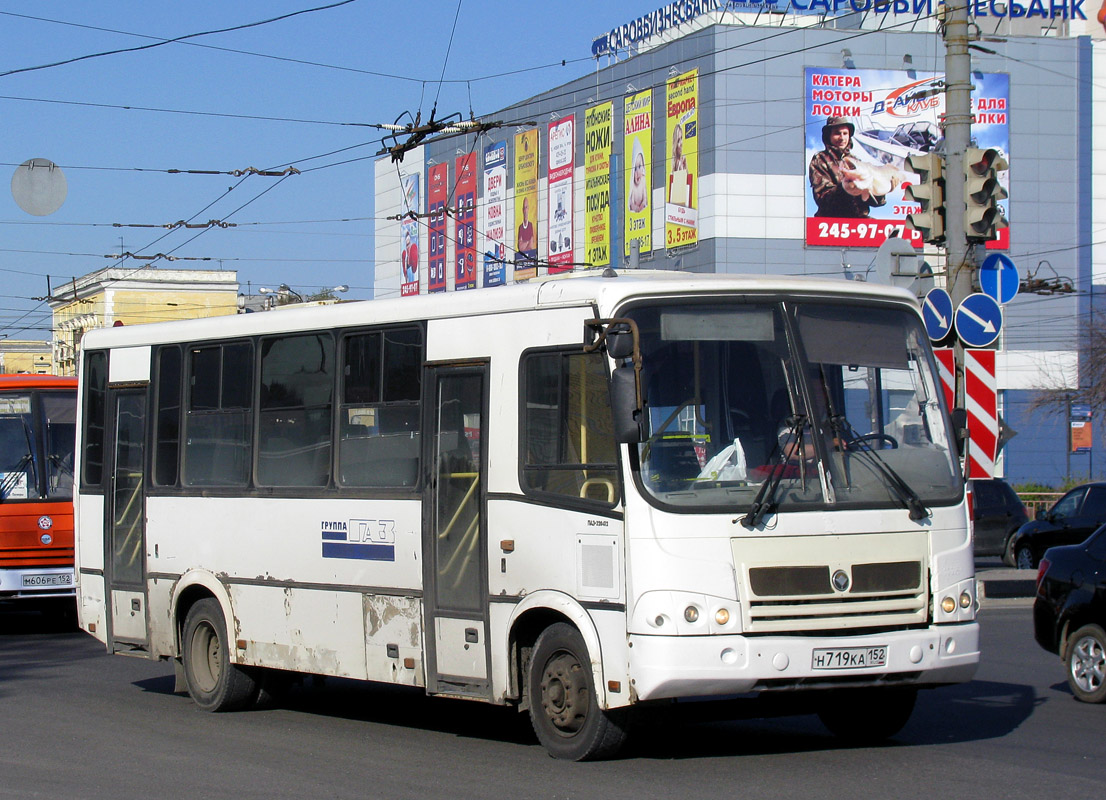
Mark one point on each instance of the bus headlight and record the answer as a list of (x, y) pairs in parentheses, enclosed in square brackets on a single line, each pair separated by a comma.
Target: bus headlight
[(691, 614), (722, 616), (965, 599), (948, 605)]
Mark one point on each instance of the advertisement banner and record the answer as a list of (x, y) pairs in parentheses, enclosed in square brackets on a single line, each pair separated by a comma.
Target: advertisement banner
[(494, 226), (861, 126), (562, 155), (1082, 435), (598, 130), (637, 147), (526, 204), (681, 207), (437, 192), (409, 237), (465, 202)]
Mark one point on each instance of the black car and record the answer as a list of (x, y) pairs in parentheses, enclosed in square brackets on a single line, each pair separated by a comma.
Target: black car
[(1071, 519), (1069, 613), (997, 513)]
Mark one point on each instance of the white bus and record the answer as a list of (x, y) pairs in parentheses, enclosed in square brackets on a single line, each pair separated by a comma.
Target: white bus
[(575, 496)]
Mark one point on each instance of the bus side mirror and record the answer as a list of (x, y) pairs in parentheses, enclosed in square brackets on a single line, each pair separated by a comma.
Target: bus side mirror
[(960, 429), (620, 341), (627, 415)]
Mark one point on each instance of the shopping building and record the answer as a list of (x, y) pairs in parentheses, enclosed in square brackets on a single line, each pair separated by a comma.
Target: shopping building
[(690, 148)]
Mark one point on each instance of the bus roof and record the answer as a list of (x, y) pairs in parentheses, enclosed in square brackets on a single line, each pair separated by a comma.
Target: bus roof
[(27, 381), (591, 288)]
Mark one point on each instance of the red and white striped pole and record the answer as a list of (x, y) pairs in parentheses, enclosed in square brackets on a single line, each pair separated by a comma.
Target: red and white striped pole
[(981, 401)]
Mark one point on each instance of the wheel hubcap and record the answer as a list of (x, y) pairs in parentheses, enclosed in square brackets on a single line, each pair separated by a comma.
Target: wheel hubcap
[(207, 657), (1088, 664), (564, 693), (1025, 559)]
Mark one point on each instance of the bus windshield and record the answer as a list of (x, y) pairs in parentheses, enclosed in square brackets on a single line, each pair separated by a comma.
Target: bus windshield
[(791, 405), (36, 466)]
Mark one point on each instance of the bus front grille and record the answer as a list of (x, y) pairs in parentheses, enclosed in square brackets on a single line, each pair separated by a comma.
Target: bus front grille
[(842, 582)]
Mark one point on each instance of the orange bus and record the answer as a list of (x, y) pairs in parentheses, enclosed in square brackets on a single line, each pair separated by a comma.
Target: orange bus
[(37, 426)]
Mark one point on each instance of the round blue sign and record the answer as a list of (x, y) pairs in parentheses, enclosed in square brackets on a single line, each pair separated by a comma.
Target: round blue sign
[(978, 320), (937, 314), (998, 277)]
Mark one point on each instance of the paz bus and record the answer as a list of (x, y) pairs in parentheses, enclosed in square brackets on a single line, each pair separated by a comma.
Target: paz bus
[(579, 496), (37, 433)]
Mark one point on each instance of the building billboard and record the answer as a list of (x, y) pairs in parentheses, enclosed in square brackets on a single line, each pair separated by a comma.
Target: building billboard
[(562, 166), (637, 145), (861, 126), (436, 194), (526, 204), (598, 130), (465, 216), (409, 237), (494, 227), (681, 208)]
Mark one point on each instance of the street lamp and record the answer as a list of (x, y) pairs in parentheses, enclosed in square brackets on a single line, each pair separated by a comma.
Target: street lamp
[(284, 290)]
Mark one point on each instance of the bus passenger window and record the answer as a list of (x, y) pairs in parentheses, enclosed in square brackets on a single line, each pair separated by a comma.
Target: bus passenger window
[(568, 441), (379, 439), (297, 384), (167, 416), (217, 448), (95, 418)]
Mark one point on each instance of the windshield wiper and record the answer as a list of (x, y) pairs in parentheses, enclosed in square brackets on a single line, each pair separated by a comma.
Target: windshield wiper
[(763, 502), (60, 464), (892, 479)]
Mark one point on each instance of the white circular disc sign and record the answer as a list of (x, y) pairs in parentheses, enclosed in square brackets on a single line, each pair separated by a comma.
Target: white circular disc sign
[(39, 186)]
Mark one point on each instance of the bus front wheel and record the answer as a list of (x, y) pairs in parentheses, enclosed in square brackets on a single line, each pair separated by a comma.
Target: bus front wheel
[(214, 683), (564, 708)]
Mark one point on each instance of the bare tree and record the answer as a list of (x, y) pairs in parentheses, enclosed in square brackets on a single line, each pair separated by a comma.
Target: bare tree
[(1056, 395)]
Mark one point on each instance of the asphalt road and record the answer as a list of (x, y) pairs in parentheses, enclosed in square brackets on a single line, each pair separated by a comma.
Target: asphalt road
[(77, 723)]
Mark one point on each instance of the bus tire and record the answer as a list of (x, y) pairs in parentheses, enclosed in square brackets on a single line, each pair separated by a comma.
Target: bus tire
[(564, 708), (866, 716), (214, 683)]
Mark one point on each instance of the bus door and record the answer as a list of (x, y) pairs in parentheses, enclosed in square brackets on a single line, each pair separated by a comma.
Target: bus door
[(455, 533), (126, 522)]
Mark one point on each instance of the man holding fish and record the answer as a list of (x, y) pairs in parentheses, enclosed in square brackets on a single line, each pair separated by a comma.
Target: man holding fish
[(843, 185)]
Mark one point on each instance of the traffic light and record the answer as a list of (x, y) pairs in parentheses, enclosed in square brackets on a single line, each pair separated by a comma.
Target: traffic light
[(982, 219), (929, 193)]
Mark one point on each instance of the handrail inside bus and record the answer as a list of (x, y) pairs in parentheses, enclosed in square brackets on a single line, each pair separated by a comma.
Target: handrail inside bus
[(589, 482), (469, 540), (135, 495)]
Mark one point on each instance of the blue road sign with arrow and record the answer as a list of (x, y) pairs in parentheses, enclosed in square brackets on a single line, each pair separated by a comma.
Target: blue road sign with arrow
[(998, 277), (978, 320), (937, 314)]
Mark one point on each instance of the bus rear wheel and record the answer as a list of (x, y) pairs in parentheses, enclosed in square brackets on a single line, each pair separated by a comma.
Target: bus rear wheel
[(214, 683), (866, 716), (564, 708)]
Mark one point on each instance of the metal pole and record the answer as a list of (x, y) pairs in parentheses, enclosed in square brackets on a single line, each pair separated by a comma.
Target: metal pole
[(958, 131), (1067, 455)]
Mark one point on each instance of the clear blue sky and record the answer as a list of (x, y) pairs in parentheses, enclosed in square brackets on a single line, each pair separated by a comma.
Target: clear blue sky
[(253, 102)]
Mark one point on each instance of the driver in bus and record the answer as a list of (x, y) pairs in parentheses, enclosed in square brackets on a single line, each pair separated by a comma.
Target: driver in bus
[(796, 455)]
